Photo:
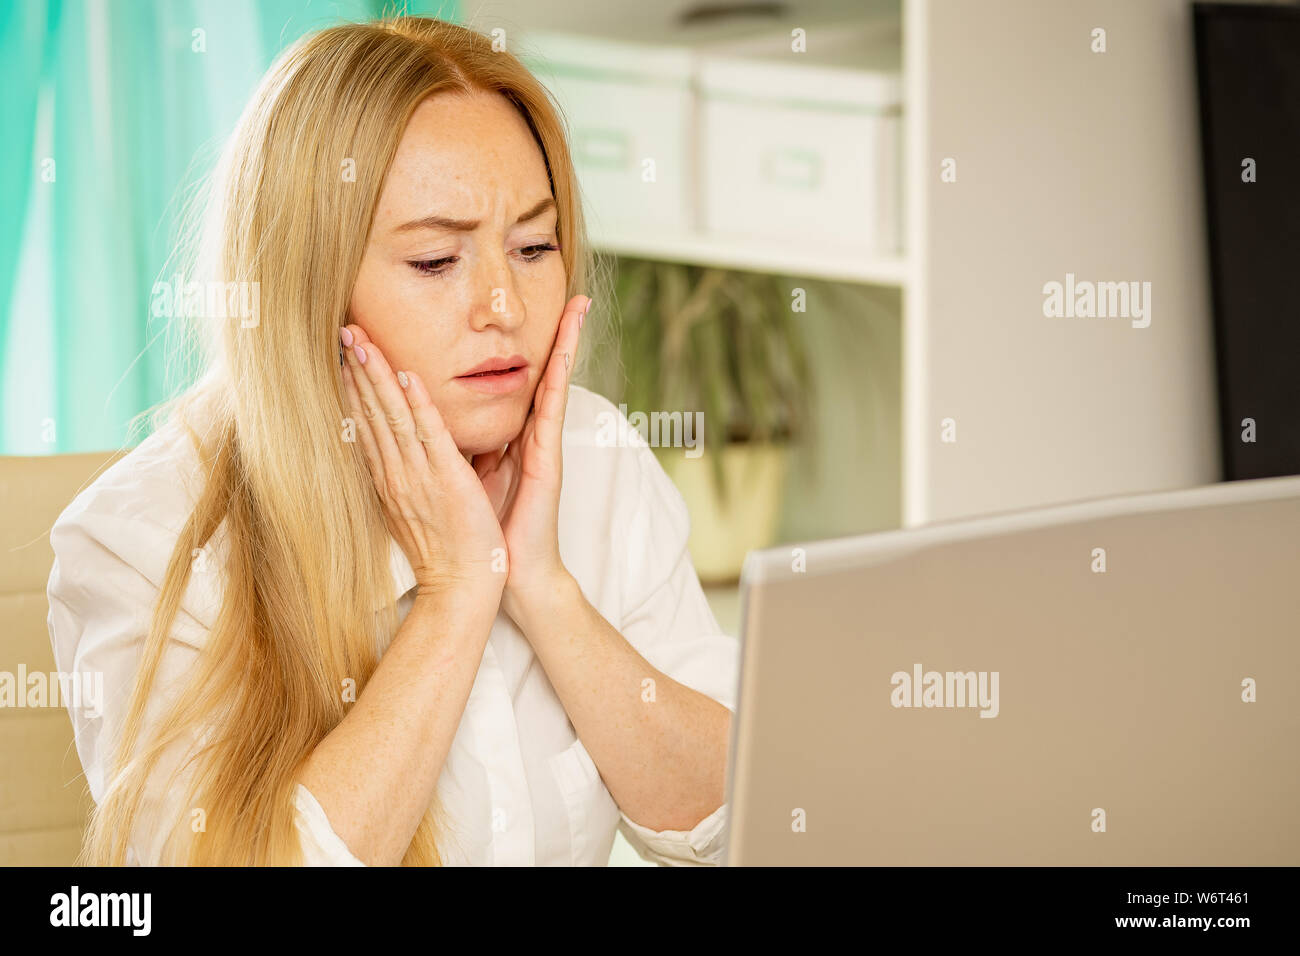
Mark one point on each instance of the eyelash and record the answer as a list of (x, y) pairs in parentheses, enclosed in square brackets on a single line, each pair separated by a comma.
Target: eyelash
[(430, 267)]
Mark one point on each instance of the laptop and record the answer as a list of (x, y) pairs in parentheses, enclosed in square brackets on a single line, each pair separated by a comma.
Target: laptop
[(1109, 682)]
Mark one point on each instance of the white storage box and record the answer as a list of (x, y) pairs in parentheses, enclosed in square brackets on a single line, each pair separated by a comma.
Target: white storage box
[(801, 154), (630, 109)]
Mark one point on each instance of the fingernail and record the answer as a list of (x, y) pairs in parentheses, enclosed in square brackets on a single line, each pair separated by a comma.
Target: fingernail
[(360, 353), (402, 380), (345, 335)]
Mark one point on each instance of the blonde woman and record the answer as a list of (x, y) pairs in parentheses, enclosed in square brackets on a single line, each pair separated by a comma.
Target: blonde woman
[(407, 609)]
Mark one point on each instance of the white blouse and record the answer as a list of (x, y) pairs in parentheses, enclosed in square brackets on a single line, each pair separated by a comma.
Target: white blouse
[(518, 785)]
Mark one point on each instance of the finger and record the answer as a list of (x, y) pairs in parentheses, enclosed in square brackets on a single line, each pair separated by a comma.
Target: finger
[(358, 335), (385, 403), (361, 425), (514, 458), (553, 399), (431, 434), (559, 369), (513, 461)]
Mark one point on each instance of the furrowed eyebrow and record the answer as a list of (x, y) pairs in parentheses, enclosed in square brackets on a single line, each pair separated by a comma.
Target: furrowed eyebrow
[(469, 225)]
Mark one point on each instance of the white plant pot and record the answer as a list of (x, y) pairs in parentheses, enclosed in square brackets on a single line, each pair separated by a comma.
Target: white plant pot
[(722, 534)]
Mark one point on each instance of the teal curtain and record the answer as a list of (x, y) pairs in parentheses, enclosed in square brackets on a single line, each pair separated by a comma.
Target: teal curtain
[(112, 111)]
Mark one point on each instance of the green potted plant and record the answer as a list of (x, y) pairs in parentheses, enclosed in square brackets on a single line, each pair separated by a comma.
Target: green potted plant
[(724, 348)]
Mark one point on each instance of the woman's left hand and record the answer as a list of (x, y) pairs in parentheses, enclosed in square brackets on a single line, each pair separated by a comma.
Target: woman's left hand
[(523, 479)]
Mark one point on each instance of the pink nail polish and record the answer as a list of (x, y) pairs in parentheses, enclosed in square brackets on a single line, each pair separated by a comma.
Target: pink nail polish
[(345, 335), (360, 353)]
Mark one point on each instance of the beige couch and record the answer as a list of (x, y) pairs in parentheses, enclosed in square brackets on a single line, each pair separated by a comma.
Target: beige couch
[(43, 796)]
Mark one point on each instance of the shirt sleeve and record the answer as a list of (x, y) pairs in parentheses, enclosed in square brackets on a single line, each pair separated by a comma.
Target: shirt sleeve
[(669, 621), (321, 846), (108, 567)]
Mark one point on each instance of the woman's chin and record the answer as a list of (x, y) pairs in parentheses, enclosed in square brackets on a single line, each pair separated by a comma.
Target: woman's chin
[(487, 430)]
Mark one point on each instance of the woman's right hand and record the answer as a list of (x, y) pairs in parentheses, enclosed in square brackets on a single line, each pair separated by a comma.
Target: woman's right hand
[(434, 503)]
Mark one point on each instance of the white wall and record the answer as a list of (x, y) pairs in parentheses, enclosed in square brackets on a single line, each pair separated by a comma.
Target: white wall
[(1067, 161)]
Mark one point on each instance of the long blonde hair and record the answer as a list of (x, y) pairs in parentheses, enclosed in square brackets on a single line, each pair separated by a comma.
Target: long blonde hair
[(307, 561)]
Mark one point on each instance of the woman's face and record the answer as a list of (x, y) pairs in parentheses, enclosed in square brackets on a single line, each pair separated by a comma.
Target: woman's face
[(461, 271)]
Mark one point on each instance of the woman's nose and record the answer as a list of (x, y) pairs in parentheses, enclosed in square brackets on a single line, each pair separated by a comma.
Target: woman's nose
[(499, 303)]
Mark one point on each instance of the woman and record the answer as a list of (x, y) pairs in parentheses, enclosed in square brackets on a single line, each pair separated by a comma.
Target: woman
[(346, 610)]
